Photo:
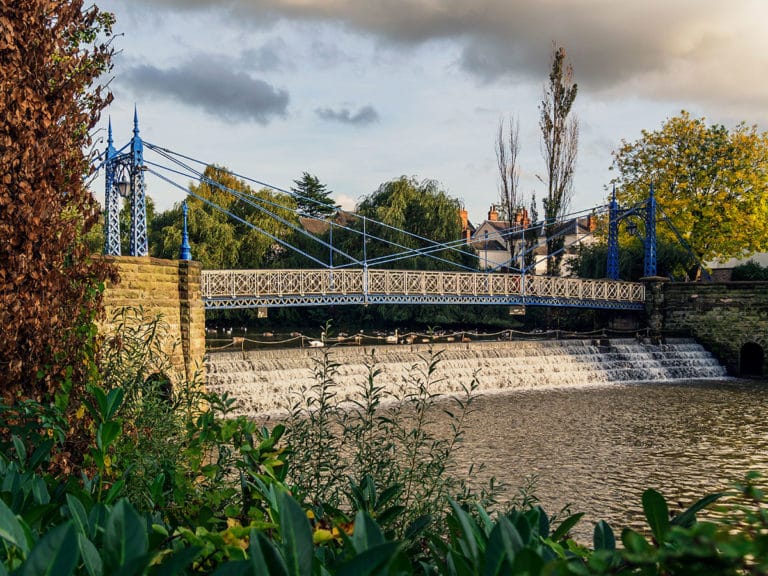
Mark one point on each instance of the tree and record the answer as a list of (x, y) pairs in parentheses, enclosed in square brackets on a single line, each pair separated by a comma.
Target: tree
[(559, 144), (52, 55), (312, 197), (507, 151), (709, 181), (421, 208), (672, 260), (217, 239)]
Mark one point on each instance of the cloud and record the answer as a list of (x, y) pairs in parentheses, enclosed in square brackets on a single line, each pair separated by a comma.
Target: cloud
[(708, 50), (345, 201), (212, 87), (365, 115), (270, 57)]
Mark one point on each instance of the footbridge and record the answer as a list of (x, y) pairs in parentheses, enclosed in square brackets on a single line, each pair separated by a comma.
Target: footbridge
[(229, 289)]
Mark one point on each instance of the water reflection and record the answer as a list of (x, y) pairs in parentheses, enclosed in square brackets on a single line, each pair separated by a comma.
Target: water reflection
[(598, 449)]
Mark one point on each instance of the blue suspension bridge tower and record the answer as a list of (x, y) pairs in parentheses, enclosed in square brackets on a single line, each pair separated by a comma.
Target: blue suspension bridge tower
[(125, 179), (646, 211)]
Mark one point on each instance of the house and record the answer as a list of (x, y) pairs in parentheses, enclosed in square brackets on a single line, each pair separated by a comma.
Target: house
[(493, 241)]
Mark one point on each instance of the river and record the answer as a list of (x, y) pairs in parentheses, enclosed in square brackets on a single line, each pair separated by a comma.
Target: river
[(597, 449), (595, 422)]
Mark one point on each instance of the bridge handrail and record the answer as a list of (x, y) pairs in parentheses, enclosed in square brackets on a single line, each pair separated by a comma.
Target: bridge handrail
[(306, 282)]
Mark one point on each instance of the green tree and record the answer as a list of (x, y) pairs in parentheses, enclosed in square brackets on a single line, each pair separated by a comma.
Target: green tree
[(421, 208), (313, 198), (52, 57), (559, 144), (672, 260), (710, 182), (217, 239)]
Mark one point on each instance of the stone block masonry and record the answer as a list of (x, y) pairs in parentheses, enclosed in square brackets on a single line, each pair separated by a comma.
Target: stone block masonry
[(170, 289), (723, 316)]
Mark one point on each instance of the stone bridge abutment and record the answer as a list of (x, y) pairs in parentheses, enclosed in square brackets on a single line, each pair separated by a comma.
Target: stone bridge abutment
[(728, 318), (169, 289)]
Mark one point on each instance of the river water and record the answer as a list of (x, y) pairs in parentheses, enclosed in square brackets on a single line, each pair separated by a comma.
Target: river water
[(597, 449), (595, 423)]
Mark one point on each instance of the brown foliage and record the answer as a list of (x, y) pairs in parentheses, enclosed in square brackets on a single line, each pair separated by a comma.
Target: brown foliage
[(51, 56)]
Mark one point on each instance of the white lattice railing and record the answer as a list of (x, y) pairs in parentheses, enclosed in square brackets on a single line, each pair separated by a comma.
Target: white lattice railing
[(280, 283)]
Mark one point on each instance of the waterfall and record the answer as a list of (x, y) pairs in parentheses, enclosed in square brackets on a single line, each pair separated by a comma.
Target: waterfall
[(268, 381)]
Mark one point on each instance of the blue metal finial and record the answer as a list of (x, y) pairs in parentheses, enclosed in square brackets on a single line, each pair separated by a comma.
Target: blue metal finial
[(135, 121), (186, 251), (110, 141)]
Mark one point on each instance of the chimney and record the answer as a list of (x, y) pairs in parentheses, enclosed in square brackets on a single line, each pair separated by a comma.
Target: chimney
[(521, 218), (493, 216), (464, 219)]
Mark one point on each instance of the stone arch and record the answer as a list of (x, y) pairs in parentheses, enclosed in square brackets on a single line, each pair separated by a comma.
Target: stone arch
[(751, 359)]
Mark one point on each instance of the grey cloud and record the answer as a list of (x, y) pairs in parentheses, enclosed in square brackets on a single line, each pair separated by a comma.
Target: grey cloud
[(270, 57), (365, 115), (216, 89), (649, 47)]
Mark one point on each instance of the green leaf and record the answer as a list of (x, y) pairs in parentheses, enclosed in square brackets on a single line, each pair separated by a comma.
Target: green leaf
[(11, 529), (688, 517), (634, 542), (657, 514), (40, 454), (265, 559), (564, 528), (503, 544), (78, 514), (21, 451), (107, 433), (367, 533), (415, 527), (468, 534), (603, 538), (527, 562), (56, 554), (177, 562), (91, 558), (370, 561), (114, 491), (125, 537), (113, 402), (297, 536), (236, 568)]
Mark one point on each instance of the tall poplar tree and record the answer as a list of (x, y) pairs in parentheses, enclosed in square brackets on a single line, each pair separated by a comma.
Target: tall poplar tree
[(559, 144), (52, 54)]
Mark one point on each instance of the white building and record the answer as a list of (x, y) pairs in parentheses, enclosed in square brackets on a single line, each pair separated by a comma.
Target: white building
[(494, 238)]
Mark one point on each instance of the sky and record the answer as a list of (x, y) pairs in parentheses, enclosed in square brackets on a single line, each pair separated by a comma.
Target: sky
[(359, 92)]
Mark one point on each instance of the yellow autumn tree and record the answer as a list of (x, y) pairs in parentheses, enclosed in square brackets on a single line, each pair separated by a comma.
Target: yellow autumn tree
[(709, 181)]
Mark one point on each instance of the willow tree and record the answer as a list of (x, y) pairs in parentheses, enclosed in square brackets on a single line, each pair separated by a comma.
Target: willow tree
[(710, 182), (559, 144), (426, 212), (52, 55)]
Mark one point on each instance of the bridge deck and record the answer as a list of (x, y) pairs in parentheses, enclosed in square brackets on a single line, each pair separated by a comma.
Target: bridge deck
[(228, 289)]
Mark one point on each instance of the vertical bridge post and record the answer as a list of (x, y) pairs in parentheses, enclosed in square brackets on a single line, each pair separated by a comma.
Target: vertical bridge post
[(612, 266)]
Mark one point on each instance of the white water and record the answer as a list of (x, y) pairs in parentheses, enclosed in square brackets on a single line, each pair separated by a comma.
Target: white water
[(269, 381)]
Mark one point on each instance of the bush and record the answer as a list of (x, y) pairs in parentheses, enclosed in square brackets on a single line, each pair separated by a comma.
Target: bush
[(751, 271)]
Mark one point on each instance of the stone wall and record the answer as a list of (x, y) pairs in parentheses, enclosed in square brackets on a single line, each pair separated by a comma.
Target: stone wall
[(170, 289), (723, 316)]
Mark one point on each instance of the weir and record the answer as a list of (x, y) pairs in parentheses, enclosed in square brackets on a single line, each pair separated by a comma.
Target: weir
[(265, 382)]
